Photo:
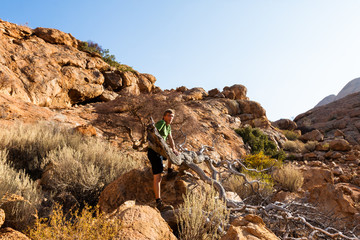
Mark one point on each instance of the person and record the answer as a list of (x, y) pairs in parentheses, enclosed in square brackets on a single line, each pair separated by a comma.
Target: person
[(156, 160)]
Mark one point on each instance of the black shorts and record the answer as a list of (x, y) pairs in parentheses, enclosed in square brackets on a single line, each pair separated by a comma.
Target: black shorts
[(156, 161)]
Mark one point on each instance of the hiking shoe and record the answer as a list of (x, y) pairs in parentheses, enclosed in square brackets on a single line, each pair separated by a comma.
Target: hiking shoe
[(162, 207)]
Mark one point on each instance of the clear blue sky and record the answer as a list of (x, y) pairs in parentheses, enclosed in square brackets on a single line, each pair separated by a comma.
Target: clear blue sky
[(288, 53)]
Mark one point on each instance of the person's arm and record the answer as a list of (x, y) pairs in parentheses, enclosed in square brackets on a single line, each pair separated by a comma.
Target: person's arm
[(172, 144)]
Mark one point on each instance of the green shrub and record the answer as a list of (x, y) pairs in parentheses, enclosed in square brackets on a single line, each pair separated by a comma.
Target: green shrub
[(260, 142), (291, 135), (87, 224), (288, 177), (110, 59), (201, 214)]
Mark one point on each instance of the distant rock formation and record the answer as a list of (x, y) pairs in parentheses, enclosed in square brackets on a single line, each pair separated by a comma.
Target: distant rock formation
[(343, 114), (351, 87)]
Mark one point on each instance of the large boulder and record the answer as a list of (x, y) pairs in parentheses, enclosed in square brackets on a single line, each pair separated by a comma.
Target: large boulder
[(236, 91), (146, 82), (56, 36), (337, 199), (51, 73), (129, 78), (250, 227), (251, 107), (141, 222), (10, 234), (314, 135), (316, 176), (2, 217), (339, 145), (194, 94), (285, 124), (138, 185), (113, 80)]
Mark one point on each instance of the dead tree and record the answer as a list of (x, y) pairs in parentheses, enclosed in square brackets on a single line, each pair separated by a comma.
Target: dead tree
[(273, 212)]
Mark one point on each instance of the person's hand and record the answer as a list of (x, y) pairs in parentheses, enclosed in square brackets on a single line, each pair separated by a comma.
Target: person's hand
[(176, 152)]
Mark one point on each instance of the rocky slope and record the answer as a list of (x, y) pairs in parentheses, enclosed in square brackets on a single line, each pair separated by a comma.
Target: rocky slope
[(343, 114), (45, 77), (351, 87)]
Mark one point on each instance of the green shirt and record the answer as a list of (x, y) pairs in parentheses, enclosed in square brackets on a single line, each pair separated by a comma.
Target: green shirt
[(163, 129)]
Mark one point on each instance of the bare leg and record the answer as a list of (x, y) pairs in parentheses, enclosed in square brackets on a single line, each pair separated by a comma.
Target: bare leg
[(157, 182), (169, 164)]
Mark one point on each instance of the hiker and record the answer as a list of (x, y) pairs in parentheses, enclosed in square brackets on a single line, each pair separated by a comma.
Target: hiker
[(156, 160)]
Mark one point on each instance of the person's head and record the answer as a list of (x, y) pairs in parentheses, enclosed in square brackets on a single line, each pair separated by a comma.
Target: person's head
[(168, 115)]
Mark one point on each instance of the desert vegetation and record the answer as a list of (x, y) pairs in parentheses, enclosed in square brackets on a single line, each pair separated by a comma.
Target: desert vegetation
[(259, 142), (289, 177), (94, 48), (86, 224), (203, 215), (61, 161)]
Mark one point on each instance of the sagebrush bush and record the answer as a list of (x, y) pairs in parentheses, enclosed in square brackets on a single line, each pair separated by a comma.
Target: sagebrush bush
[(311, 145), (73, 163), (288, 177), (237, 184), (294, 146), (18, 183), (29, 144), (201, 214), (88, 224), (86, 170), (291, 135), (259, 142)]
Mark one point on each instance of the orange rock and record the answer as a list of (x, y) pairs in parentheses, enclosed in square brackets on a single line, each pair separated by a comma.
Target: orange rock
[(146, 82), (249, 227), (315, 176), (314, 135), (195, 94), (2, 217), (285, 124), (86, 130), (138, 185), (10, 234), (237, 92), (141, 222), (339, 145), (56, 36)]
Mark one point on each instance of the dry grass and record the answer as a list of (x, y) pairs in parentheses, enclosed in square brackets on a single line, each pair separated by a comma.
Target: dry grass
[(18, 183), (237, 184), (201, 215), (86, 170), (288, 177), (294, 146), (291, 135), (311, 145), (72, 163), (29, 144), (87, 225)]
